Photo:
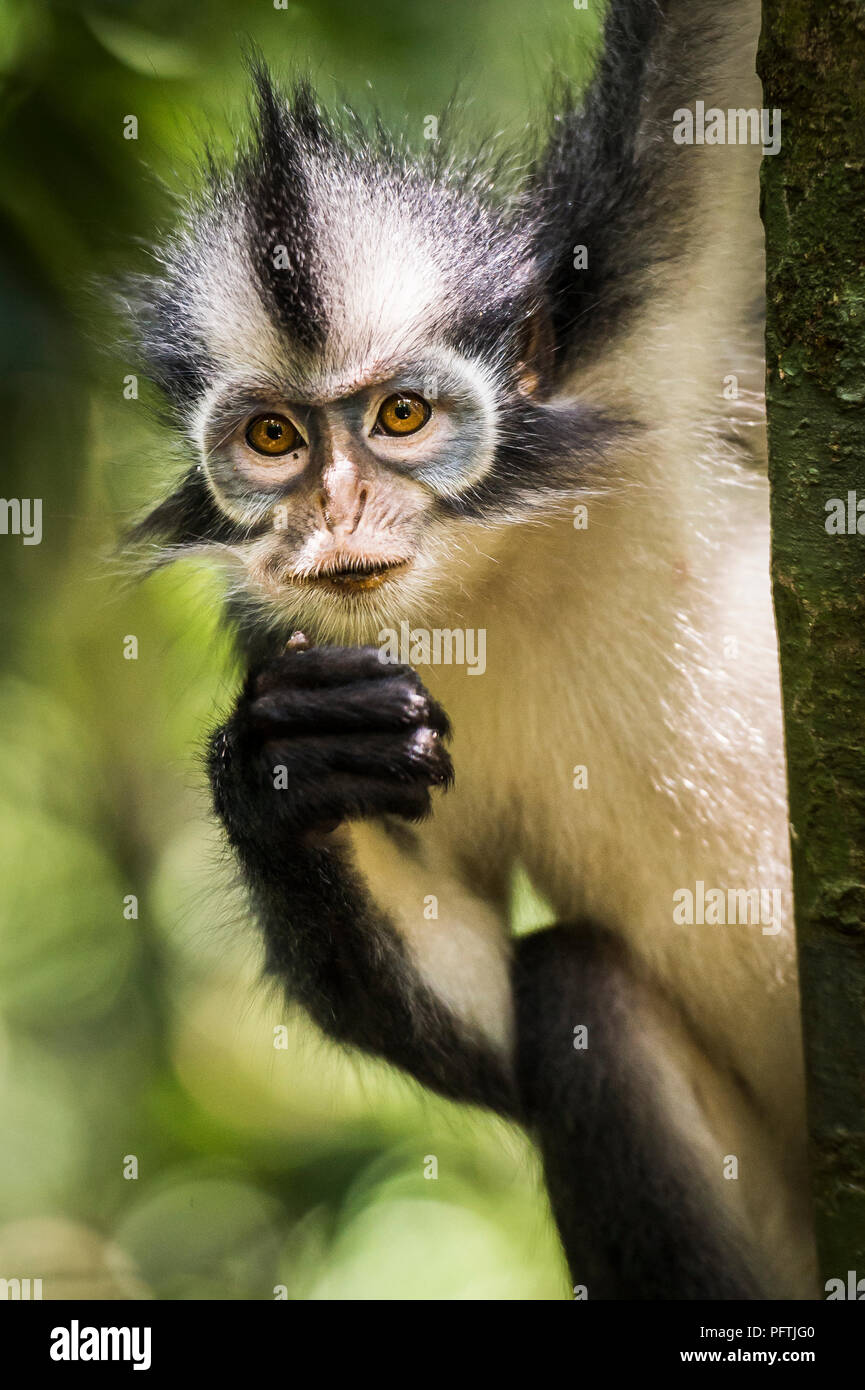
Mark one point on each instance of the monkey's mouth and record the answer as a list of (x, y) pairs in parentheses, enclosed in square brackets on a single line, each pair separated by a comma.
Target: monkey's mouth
[(356, 576)]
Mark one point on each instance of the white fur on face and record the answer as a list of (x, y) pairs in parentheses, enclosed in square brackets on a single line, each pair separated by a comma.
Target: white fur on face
[(384, 283), (228, 314)]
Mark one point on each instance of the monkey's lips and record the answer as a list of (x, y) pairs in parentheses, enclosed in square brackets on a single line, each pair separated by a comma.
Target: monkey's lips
[(350, 577)]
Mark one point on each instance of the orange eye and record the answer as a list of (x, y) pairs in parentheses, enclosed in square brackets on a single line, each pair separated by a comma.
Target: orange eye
[(273, 435), (402, 414)]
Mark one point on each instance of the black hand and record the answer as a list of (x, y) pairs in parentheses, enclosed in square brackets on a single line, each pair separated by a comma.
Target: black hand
[(357, 738), (324, 735)]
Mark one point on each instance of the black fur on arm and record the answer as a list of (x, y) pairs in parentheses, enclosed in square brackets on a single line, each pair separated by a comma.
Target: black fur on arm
[(635, 1218), (349, 738)]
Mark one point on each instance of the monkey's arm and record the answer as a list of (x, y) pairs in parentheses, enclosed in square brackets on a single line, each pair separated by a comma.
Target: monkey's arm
[(318, 738)]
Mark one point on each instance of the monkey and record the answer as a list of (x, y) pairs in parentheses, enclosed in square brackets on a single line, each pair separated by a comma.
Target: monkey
[(485, 392)]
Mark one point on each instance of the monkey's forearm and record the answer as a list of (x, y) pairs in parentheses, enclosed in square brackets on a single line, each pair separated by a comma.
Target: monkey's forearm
[(320, 737), (339, 957)]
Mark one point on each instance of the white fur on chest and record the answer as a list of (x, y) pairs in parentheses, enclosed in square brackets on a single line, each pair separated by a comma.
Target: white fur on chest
[(642, 650)]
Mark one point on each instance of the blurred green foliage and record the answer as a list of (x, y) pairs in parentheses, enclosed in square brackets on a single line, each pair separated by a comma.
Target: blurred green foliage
[(150, 1037)]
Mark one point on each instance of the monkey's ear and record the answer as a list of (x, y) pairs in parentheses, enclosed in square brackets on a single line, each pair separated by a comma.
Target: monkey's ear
[(536, 354)]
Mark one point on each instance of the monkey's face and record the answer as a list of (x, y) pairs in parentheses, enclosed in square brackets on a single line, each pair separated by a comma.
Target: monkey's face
[(360, 351), (343, 485)]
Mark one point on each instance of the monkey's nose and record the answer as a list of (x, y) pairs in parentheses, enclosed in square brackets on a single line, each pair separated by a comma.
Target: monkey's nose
[(342, 507)]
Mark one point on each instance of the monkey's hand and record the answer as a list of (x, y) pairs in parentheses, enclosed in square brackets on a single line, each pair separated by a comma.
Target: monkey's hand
[(324, 735), (318, 737)]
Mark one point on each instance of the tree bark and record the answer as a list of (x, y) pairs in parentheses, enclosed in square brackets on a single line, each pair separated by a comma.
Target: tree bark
[(812, 62)]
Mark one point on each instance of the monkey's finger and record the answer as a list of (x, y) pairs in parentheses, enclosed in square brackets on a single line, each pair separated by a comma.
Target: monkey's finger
[(326, 666), (378, 705), (417, 755), (345, 798)]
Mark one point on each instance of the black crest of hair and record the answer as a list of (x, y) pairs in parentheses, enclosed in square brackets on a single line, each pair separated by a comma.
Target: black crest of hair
[(272, 184)]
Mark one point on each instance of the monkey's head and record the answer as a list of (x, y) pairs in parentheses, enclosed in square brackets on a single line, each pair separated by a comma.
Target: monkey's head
[(360, 349)]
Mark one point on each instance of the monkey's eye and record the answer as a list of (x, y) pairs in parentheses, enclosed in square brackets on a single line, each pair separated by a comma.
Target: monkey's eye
[(273, 434), (402, 414)]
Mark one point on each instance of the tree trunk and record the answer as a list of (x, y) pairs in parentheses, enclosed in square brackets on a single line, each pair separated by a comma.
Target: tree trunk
[(812, 62)]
